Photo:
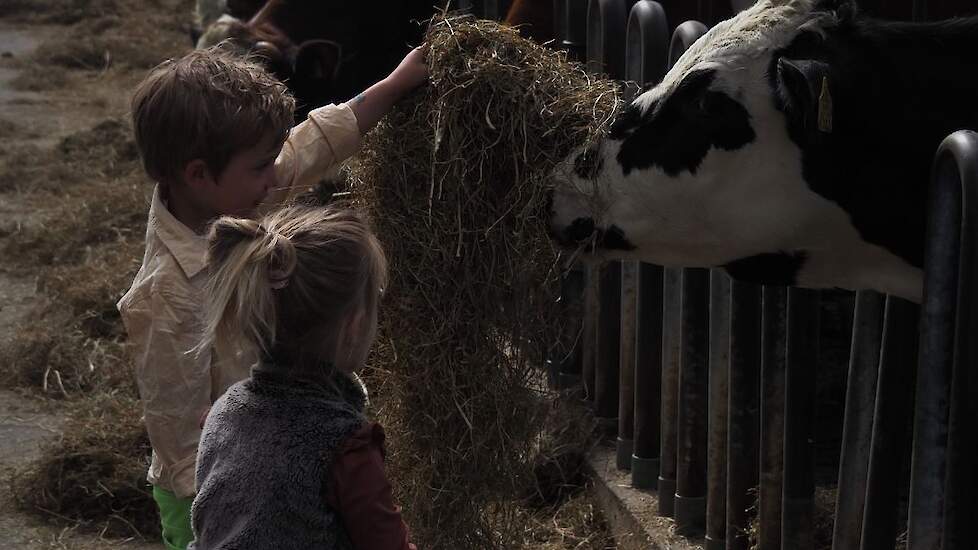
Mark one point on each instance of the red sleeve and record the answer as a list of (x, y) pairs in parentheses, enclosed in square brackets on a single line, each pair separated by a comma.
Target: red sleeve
[(360, 492)]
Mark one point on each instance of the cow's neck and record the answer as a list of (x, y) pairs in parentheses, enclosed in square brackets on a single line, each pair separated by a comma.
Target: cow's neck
[(899, 89)]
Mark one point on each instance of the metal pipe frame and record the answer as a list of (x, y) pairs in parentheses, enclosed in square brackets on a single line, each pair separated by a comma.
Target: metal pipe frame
[(671, 319), (744, 415), (801, 360), (648, 377), (857, 431), (694, 371), (944, 423), (716, 453), (606, 21), (772, 417), (891, 424), (626, 371)]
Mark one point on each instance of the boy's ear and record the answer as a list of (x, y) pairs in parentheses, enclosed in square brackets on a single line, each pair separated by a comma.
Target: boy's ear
[(196, 174)]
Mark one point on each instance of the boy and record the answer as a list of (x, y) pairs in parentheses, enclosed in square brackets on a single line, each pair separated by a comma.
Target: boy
[(214, 132)]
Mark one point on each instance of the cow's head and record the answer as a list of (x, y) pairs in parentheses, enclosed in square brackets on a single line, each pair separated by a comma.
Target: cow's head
[(706, 168), (309, 68)]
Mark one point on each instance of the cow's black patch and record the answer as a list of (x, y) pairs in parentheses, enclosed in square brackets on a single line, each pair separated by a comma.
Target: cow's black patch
[(614, 238), (582, 229), (897, 90), (677, 135), (776, 268), (578, 231)]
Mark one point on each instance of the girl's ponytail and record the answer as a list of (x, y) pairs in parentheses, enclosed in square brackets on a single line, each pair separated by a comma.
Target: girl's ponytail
[(248, 264)]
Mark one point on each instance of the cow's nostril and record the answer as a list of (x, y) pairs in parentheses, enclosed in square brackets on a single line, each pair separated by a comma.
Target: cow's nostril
[(579, 230)]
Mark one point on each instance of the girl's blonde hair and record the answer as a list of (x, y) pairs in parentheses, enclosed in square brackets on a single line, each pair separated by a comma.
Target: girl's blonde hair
[(301, 286)]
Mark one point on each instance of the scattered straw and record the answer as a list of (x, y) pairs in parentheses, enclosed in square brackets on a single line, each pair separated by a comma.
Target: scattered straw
[(456, 182), (96, 473)]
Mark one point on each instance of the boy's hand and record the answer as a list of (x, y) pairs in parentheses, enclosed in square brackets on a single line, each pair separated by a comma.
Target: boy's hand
[(375, 102), (411, 72)]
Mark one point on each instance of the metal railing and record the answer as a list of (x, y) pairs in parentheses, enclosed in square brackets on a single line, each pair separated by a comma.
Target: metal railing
[(708, 385)]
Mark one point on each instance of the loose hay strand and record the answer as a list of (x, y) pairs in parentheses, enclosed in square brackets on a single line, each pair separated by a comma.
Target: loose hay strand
[(456, 182)]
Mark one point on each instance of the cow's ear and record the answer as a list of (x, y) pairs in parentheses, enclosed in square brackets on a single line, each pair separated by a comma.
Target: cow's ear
[(805, 86), (318, 59)]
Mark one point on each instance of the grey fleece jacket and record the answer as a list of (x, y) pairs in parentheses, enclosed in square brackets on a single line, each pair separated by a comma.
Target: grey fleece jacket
[(264, 458)]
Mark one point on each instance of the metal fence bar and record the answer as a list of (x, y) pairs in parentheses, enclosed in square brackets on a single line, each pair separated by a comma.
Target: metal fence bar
[(744, 420), (646, 43), (606, 21), (683, 37), (626, 381), (943, 444), (801, 358), (608, 346), (671, 319), (772, 417), (961, 511), (867, 334), (716, 454), (891, 424), (648, 377), (694, 372), (575, 29), (560, 21), (589, 330)]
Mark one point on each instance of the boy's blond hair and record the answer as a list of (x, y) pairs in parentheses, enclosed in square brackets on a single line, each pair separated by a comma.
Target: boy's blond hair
[(206, 105), (290, 284)]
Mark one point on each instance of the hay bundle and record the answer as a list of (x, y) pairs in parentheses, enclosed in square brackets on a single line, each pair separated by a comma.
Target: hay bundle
[(455, 180)]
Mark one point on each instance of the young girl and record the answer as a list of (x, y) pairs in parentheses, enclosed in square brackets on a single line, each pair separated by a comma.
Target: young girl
[(286, 458)]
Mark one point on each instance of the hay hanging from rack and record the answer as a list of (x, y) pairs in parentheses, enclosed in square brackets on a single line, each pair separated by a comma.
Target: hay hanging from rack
[(456, 181)]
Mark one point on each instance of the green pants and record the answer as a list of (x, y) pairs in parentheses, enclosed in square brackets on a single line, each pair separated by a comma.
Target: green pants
[(175, 518)]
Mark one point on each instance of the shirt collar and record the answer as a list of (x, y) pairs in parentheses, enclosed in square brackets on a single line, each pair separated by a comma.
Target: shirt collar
[(189, 248)]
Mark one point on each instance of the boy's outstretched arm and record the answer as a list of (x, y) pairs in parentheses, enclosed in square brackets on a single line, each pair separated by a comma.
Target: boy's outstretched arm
[(373, 103)]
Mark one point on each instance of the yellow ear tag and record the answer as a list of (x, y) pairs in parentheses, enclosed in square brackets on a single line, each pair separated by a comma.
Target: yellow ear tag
[(825, 107)]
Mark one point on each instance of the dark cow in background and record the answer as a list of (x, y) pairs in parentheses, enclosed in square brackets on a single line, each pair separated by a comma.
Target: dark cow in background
[(536, 17), (791, 144), (326, 51)]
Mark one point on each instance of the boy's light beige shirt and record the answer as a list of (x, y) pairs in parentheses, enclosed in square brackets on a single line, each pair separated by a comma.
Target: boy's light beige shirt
[(162, 310)]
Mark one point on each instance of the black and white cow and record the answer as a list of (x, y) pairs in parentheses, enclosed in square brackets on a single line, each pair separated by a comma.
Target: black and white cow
[(791, 144)]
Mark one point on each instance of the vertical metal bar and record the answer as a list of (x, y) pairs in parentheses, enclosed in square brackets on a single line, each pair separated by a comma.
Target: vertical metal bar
[(648, 377), (606, 20), (867, 333), (647, 37), (716, 477), (626, 371), (891, 424), (560, 21), (942, 509), (772, 417), (694, 371), (961, 510), (575, 29), (683, 37), (607, 348), (943, 244), (671, 319), (744, 421), (798, 505), (589, 329), (646, 43)]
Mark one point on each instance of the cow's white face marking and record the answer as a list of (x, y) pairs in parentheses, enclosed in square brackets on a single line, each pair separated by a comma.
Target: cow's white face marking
[(700, 170)]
